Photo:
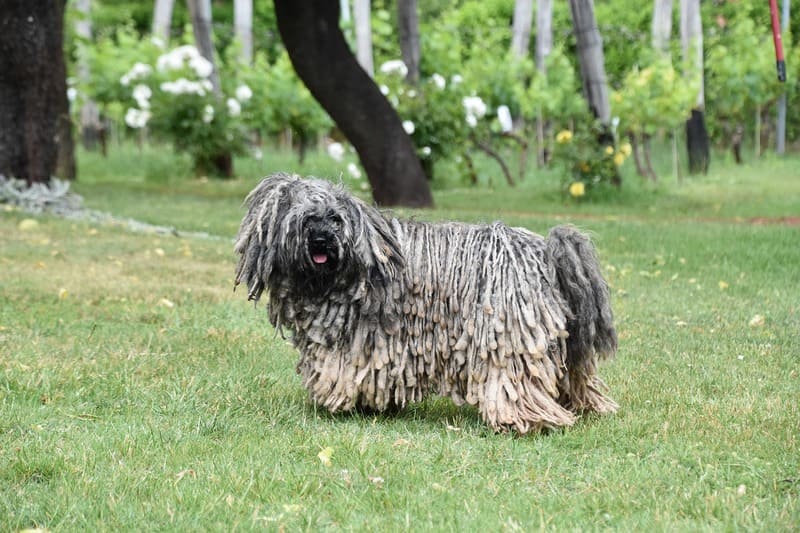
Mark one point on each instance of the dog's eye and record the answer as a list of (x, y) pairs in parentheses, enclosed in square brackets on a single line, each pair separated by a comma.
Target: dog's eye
[(336, 219)]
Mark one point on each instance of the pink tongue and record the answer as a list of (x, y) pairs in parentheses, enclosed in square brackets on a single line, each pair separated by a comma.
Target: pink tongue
[(319, 258)]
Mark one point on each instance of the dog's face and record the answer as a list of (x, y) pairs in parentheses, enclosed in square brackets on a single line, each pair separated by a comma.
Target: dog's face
[(313, 235), (321, 256)]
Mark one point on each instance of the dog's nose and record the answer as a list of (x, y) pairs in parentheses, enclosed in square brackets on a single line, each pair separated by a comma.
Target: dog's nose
[(319, 239)]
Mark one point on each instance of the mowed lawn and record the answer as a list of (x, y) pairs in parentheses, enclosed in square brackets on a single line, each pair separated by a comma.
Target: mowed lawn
[(139, 392)]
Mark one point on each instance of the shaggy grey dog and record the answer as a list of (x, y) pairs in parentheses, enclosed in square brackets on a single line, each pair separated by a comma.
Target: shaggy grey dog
[(385, 311)]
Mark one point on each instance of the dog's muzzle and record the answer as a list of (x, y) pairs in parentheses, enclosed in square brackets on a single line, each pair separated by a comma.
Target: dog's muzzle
[(323, 250)]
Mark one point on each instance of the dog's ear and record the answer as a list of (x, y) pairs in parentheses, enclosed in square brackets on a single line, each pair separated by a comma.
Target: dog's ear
[(260, 229), (374, 241)]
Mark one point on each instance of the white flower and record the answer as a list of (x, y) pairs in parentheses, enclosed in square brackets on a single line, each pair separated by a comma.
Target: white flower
[(142, 94), (408, 126), (206, 85), (426, 151), (354, 171), (439, 81), (258, 155), (243, 93), (137, 118), (395, 66), (72, 93), (234, 107), (384, 90), (137, 72), (174, 59), (456, 79), (202, 66), (336, 151), (159, 42), (184, 86), (412, 93), (474, 105), (208, 113), (504, 117), (474, 108)]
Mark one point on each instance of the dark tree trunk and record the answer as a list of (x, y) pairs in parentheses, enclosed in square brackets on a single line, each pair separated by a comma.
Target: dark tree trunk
[(697, 143), (408, 26), (320, 55), (34, 115)]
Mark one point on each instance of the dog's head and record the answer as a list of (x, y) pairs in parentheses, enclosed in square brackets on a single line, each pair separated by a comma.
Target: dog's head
[(312, 237)]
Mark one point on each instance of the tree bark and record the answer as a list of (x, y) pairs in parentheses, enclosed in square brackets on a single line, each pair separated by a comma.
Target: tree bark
[(89, 114), (361, 16), (200, 11), (544, 33), (221, 163), (521, 27), (162, 19), (408, 30), (34, 110), (697, 143), (662, 25), (544, 47), (320, 55), (591, 59), (243, 28)]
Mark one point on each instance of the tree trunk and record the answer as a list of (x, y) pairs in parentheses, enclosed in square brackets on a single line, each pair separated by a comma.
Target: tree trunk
[(662, 25), (593, 71), (34, 110), (200, 11), (591, 59), (521, 27), (90, 113), (697, 142), (320, 55), (361, 16), (162, 19), (544, 33), (221, 163), (408, 30), (544, 46), (243, 28)]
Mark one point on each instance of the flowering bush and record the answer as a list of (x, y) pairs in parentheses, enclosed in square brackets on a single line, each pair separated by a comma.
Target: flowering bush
[(585, 164), (280, 100), (177, 102)]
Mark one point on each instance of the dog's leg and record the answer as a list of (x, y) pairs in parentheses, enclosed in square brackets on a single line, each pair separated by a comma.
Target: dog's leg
[(521, 402), (586, 393)]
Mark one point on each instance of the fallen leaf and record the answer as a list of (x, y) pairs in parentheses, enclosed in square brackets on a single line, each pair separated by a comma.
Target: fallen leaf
[(229, 499), (292, 508), (166, 303), (27, 224), (757, 321), (723, 285), (183, 473), (62, 293), (740, 490), (376, 480), (159, 252), (325, 456)]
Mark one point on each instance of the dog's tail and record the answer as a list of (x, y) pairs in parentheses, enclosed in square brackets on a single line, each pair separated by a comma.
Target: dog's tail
[(590, 322)]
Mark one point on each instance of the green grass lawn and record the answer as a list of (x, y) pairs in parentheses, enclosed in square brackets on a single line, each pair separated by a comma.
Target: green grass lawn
[(139, 392)]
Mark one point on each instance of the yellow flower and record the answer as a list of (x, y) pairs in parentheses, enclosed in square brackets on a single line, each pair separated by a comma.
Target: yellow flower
[(577, 189), (625, 149), (618, 97), (564, 136), (609, 150), (619, 159), (585, 167)]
